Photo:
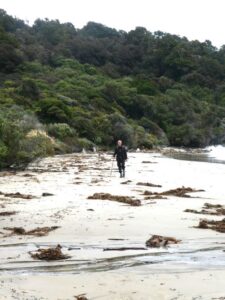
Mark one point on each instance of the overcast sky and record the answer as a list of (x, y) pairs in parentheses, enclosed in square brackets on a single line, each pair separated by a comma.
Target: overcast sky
[(195, 19)]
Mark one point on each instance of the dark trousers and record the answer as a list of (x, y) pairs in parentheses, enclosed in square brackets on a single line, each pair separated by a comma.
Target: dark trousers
[(121, 165)]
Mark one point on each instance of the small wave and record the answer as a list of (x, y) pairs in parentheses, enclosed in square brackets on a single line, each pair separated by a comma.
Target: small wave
[(217, 152)]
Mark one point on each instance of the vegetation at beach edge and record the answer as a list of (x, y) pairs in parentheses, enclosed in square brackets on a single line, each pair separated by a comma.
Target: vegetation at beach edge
[(63, 89)]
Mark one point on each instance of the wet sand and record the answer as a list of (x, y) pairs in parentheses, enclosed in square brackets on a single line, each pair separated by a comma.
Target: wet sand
[(192, 269)]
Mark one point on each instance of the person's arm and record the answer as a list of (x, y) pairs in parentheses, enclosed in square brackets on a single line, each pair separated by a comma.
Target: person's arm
[(125, 153), (115, 152)]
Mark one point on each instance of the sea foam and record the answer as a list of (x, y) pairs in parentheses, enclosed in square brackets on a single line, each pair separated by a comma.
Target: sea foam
[(217, 152)]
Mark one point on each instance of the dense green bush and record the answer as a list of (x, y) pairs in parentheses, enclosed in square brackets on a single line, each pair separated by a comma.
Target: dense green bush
[(60, 130), (35, 146), (83, 143), (21, 140), (96, 85)]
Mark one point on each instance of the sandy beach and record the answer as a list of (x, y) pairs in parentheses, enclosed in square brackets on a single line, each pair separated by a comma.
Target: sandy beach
[(59, 188)]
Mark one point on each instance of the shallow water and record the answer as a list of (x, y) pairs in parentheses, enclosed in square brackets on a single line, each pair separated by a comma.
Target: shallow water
[(207, 254), (210, 154)]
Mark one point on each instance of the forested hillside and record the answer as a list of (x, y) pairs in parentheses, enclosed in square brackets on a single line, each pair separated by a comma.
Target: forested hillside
[(62, 89)]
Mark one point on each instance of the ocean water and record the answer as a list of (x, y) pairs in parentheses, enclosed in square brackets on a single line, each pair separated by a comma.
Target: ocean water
[(216, 152), (211, 154)]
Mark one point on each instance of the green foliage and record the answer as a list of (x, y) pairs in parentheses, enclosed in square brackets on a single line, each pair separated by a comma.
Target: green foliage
[(32, 147), (60, 130), (29, 89), (3, 153), (95, 85), (98, 31), (53, 110), (186, 135), (10, 57), (16, 145), (84, 143)]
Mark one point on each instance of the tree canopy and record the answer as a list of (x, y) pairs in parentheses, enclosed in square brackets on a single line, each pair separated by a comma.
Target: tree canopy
[(93, 85)]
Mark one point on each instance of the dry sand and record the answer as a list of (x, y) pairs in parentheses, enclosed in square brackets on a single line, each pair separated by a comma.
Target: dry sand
[(193, 269)]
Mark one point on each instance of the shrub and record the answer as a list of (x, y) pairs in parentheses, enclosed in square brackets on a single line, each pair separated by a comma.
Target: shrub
[(3, 153), (60, 130), (29, 89), (84, 143), (36, 144), (21, 138)]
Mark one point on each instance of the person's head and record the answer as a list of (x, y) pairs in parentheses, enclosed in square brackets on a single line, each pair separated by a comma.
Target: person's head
[(119, 143)]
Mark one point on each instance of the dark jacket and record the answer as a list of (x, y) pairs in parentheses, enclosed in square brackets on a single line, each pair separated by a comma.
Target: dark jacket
[(120, 153)]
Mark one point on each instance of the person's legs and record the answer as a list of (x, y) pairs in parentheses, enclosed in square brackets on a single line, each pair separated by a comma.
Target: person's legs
[(123, 168), (119, 167)]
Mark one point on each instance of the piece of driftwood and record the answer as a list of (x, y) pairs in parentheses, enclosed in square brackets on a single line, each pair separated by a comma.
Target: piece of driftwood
[(124, 248)]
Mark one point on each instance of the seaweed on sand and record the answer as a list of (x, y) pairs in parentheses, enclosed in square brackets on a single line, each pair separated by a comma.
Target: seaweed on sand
[(149, 184), (39, 231), (123, 199), (7, 213), (49, 254), (17, 195), (157, 241), (218, 226), (209, 209), (178, 192)]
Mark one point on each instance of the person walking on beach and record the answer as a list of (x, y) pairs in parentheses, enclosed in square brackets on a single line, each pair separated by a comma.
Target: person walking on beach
[(121, 156)]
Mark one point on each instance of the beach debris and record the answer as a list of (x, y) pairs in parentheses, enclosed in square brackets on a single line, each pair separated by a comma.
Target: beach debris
[(218, 226), (49, 254), (47, 194), (28, 175), (157, 241), (7, 173), (81, 297), (209, 209), (17, 195), (39, 231), (124, 248), (116, 239), (148, 162), (126, 182), (178, 192), (151, 195), (209, 205), (73, 248), (148, 184), (100, 169), (7, 213), (123, 199), (95, 181), (81, 168)]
